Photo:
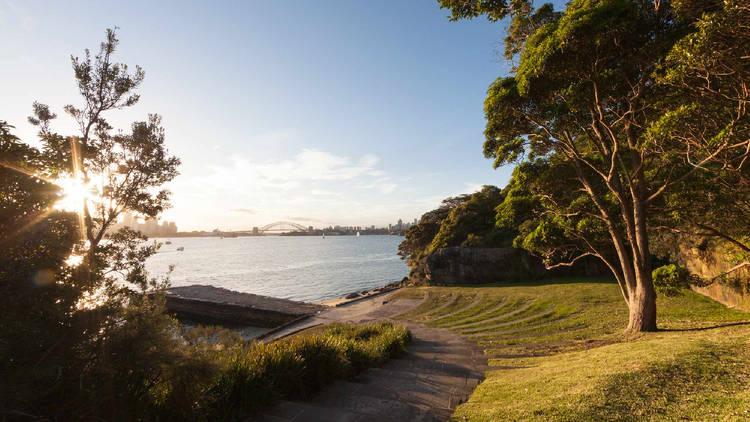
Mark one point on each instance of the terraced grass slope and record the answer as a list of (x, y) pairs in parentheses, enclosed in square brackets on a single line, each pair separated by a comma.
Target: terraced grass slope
[(560, 353)]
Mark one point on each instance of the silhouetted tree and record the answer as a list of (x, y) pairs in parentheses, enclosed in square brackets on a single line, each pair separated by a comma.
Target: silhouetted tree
[(82, 340)]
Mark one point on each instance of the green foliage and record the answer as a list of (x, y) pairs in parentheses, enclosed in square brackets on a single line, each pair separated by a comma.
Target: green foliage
[(494, 9), (140, 367), (705, 110), (85, 341), (670, 279), (626, 113), (129, 168), (569, 39), (552, 218), (256, 374), (474, 218), (37, 324), (418, 238), (465, 221)]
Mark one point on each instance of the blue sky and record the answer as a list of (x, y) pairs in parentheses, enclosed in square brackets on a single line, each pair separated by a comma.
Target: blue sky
[(330, 112)]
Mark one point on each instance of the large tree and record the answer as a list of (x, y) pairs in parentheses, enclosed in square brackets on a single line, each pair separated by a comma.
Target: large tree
[(103, 172), (583, 107), (708, 73), (79, 339)]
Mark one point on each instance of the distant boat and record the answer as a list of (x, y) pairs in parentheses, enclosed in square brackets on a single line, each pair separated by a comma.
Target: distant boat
[(181, 248), (168, 242), (324, 235), (357, 234)]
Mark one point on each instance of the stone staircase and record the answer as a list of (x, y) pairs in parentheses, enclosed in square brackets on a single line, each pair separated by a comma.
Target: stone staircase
[(440, 371)]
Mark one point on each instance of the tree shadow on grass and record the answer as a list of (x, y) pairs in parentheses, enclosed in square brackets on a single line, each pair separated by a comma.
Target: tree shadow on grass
[(543, 281), (712, 327), (694, 383)]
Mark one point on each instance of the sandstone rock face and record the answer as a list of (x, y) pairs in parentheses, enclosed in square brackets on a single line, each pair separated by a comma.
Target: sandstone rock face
[(457, 265), (709, 262)]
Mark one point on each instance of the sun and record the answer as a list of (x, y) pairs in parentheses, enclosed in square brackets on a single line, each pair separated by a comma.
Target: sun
[(74, 260), (75, 193)]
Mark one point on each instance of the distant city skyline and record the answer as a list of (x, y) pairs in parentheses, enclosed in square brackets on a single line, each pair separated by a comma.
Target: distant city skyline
[(351, 113), (162, 227)]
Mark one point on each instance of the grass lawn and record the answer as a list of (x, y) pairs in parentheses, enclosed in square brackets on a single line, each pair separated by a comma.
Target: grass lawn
[(560, 353)]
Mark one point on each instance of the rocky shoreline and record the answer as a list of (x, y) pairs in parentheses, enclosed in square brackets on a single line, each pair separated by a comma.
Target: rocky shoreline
[(357, 296)]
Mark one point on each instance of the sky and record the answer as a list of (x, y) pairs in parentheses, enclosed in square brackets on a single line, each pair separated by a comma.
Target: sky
[(328, 112)]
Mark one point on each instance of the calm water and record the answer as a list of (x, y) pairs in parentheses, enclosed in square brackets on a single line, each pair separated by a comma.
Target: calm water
[(296, 267)]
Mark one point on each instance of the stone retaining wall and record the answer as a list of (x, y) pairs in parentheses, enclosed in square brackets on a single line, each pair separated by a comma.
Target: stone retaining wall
[(207, 304), (456, 265)]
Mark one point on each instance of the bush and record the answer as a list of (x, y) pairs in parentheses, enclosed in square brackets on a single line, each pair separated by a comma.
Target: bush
[(253, 375), (670, 279)]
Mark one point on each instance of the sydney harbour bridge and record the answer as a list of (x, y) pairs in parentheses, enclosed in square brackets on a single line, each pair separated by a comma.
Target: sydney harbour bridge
[(276, 228)]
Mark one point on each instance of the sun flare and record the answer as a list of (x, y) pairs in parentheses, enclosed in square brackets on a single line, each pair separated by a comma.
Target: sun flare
[(75, 193), (74, 260)]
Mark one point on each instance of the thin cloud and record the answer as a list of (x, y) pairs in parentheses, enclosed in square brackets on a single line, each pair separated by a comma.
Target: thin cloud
[(245, 175), (305, 219), (473, 187), (319, 186), (244, 210)]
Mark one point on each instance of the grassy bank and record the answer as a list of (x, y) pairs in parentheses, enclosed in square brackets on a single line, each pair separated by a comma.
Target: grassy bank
[(558, 353)]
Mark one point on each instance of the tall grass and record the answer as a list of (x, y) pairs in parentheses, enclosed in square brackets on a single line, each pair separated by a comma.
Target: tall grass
[(250, 376)]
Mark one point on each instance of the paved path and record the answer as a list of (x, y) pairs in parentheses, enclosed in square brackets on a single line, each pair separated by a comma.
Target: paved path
[(439, 371)]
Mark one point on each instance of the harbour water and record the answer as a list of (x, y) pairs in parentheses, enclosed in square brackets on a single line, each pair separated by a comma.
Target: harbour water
[(306, 268)]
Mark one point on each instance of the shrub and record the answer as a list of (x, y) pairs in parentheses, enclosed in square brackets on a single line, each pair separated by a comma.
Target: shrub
[(670, 279), (254, 375)]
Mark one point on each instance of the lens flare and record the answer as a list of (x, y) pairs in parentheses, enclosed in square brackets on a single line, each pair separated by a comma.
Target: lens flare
[(75, 193), (43, 278)]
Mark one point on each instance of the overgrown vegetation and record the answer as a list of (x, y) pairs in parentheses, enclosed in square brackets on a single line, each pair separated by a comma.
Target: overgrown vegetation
[(249, 376)]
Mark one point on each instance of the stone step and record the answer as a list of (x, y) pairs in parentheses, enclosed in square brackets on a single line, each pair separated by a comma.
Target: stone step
[(455, 368), (438, 372), (384, 408), (293, 411), (418, 381)]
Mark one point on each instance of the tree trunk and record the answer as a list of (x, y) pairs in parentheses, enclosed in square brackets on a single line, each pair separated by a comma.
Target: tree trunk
[(642, 305)]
